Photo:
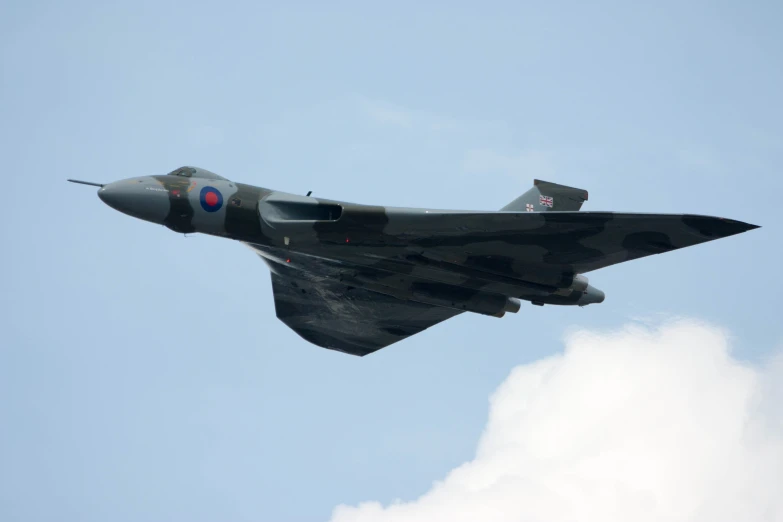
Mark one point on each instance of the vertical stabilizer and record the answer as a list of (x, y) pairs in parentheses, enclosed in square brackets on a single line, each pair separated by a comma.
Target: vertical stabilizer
[(545, 197)]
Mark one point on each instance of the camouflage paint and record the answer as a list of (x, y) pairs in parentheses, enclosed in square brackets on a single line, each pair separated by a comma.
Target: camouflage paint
[(356, 278)]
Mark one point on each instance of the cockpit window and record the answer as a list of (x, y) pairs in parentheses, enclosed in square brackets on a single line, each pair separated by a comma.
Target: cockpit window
[(186, 172), (195, 172)]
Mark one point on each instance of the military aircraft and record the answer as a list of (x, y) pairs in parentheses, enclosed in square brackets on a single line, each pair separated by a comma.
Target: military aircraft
[(357, 278)]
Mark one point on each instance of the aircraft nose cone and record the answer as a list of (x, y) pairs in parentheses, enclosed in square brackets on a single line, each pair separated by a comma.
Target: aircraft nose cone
[(121, 195), (137, 198), (110, 195)]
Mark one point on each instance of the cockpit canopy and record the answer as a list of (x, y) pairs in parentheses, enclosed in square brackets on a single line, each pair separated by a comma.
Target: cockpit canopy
[(195, 172)]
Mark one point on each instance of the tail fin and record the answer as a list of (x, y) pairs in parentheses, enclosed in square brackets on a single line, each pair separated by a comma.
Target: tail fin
[(545, 196)]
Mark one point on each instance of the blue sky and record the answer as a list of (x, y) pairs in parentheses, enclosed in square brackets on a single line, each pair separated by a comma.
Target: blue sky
[(143, 375)]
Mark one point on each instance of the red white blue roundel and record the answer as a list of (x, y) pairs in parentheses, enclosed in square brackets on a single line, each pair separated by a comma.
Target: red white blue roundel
[(211, 199)]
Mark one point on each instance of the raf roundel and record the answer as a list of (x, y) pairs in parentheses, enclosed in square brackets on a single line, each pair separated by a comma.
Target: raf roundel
[(211, 199)]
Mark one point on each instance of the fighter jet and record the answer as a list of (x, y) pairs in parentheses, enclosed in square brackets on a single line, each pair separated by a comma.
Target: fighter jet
[(357, 278)]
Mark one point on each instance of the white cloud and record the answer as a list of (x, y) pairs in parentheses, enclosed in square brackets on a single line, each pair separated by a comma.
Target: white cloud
[(639, 424)]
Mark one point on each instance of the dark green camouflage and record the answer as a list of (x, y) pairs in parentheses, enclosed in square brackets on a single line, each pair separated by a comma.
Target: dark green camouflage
[(357, 278)]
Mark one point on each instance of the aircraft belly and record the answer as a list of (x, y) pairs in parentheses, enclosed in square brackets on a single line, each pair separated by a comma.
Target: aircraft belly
[(407, 283)]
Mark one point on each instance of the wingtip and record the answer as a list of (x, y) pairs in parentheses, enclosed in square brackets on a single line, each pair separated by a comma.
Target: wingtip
[(715, 227), (744, 227)]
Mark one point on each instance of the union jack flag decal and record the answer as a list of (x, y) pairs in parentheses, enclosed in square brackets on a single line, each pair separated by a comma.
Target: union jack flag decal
[(546, 201), (529, 207)]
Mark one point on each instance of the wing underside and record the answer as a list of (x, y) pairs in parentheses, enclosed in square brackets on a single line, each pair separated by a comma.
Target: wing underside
[(376, 276), (331, 314)]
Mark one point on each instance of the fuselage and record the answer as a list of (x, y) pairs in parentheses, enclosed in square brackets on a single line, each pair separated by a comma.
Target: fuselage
[(366, 246), (187, 204)]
